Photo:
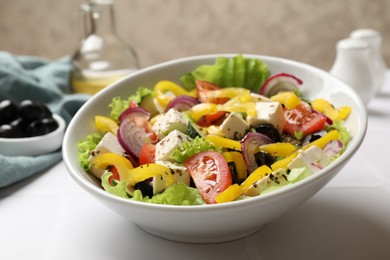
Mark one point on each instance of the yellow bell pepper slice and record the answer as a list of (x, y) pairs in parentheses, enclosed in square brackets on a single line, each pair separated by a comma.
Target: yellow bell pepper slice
[(278, 149), (228, 93), (320, 142), (147, 171), (287, 98), (238, 160), (128, 173), (202, 109), (329, 110), (224, 142), (106, 159), (243, 107), (105, 124), (165, 91), (258, 174), (230, 194)]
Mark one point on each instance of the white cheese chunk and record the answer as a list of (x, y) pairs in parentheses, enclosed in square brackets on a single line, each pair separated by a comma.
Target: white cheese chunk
[(171, 120), (168, 144), (313, 159), (268, 113), (108, 144), (277, 178), (179, 173), (234, 126)]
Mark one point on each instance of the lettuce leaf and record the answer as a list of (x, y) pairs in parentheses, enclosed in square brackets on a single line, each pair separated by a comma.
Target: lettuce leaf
[(298, 174), (230, 72), (189, 148), (177, 194), (85, 148), (140, 94), (119, 105), (120, 188)]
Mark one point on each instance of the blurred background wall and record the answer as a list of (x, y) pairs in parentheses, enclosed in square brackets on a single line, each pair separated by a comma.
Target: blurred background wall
[(160, 30)]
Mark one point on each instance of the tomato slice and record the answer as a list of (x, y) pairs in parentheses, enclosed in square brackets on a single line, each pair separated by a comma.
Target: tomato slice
[(148, 154), (210, 173), (303, 119), (210, 119), (114, 176), (203, 87)]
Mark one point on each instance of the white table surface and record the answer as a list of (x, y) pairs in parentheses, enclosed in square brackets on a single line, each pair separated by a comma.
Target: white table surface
[(49, 216)]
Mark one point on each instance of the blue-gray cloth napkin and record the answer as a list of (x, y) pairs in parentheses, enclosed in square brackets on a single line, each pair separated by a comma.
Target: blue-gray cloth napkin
[(37, 79)]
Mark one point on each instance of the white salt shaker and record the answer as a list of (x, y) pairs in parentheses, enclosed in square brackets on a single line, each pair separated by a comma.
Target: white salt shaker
[(353, 66), (374, 39)]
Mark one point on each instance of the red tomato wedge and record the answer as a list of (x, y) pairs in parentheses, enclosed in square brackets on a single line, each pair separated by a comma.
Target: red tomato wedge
[(210, 119), (203, 87), (148, 154), (210, 173), (303, 119), (114, 176)]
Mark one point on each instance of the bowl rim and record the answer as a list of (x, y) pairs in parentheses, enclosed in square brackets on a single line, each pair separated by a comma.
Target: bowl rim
[(61, 126), (353, 145)]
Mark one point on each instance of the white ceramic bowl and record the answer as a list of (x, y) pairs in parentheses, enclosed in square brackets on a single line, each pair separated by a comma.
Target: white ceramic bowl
[(222, 222), (37, 145)]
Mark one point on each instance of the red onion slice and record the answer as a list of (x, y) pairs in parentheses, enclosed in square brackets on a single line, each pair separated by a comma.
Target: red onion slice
[(279, 82), (182, 103), (132, 137), (134, 112), (333, 147), (249, 144)]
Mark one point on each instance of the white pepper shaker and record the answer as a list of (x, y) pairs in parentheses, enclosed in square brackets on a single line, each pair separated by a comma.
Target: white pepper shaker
[(352, 65), (374, 39)]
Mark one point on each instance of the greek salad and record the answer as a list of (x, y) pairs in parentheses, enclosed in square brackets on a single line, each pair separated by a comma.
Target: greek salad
[(229, 131)]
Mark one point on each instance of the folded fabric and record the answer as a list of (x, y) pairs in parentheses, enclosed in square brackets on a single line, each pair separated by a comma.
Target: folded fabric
[(42, 80)]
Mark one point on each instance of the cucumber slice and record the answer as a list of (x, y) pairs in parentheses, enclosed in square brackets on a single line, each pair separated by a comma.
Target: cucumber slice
[(194, 130)]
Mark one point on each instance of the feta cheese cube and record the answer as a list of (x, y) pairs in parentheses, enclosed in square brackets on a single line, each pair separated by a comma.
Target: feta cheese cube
[(268, 113), (234, 126), (313, 159), (277, 178), (168, 144), (180, 174), (171, 120), (108, 144)]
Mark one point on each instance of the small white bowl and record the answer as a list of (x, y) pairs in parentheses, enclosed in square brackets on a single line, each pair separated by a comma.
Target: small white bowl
[(219, 222), (37, 145)]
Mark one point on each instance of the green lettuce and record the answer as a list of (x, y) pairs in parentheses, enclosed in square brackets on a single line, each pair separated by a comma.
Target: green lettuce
[(119, 189), (189, 148), (177, 194), (230, 72), (294, 176), (85, 148), (119, 105), (298, 174)]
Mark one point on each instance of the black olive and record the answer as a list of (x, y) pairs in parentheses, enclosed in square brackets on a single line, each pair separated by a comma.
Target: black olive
[(20, 123), (233, 172), (270, 131), (32, 111), (145, 187), (7, 131), (41, 127), (9, 111), (263, 158), (312, 137)]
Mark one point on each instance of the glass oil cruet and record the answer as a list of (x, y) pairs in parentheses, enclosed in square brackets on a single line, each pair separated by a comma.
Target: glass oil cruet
[(102, 57)]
